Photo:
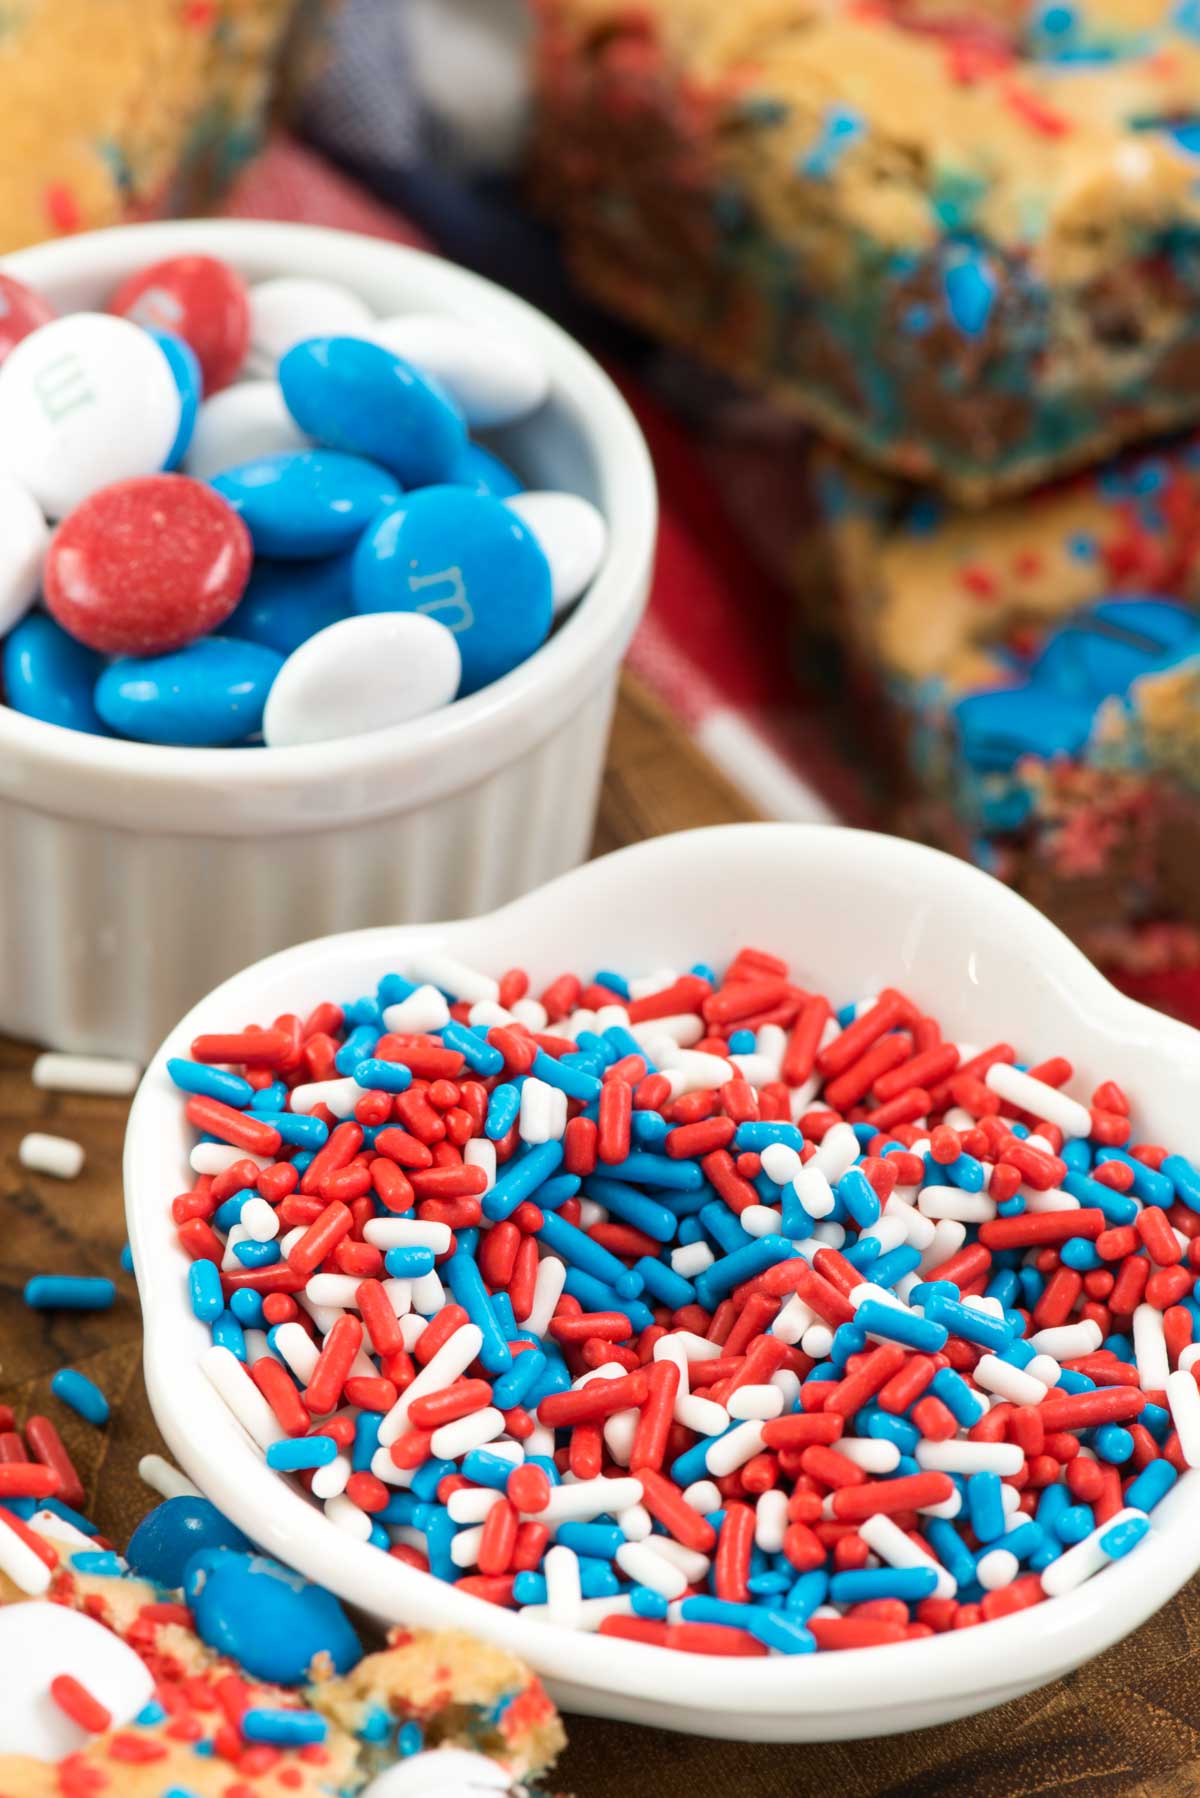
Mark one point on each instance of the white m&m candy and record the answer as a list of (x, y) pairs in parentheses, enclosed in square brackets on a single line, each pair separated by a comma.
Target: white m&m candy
[(489, 375), (24, 537), (362, 674), (85, 401), (291, 308), (571, 534), (40, 1641), (240, 424)]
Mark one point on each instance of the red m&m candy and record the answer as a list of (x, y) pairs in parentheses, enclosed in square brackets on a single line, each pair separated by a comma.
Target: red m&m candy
[(201, 300), (147, 565)]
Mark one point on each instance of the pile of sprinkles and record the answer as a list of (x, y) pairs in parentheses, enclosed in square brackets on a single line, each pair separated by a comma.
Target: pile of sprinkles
[(690, 1308)]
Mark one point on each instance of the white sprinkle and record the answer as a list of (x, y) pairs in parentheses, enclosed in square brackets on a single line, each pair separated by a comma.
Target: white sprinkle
[(702, 1496), (1183, 1399), (298, 1349), (452, 976), (1053, 1199), (892, 1545), (543, 1114), (619, 1431), (703, 1415), (760, 1220), (780, 1163), (996, 1569), (585, 1499), (472, 1504), (1066, 1342), (1044, 1368), (836, 1153), (27, 1571), (464, 1550), (948, 1237), (453, 1358), (688, 1560), (866, 1452), (331, 1479), (635, 1523), (732, 1451), (691, 1259), (428, 1295), (697, 1348), (345, 1515), (423, 1011), (1084, 1559), (646, 1567), (563, 1597), (1035, 1096), (339, 1096), (794, 1319), (762, 1402), (229, 1379), (770, 1521), (970, 1457), (259, 1220), (756, 1069), (953, 1202), (167, 1481), (215, 1157), (817, 1341), (548, 1285), (407, 1233), (1009, 1382), (532, 1013), (699, 1070), (480, 1152), (679, 1030), (811, 1186), (1150, 1348), (85, 1074), (57, 1155), (333, 1289)]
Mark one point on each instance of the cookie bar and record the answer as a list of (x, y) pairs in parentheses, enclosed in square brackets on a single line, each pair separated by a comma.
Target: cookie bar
[(114, 111), (1039, 668), (971, 251)]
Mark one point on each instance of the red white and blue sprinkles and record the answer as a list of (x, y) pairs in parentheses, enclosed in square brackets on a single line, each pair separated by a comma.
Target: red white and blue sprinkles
[(689, 1308)]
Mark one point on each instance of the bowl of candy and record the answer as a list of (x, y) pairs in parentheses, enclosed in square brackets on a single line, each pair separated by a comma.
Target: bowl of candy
[(320, 557), (750, 1278)]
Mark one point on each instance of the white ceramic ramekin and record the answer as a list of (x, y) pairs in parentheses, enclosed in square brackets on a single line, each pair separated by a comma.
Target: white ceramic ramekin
[(853, 912), (132, 878)]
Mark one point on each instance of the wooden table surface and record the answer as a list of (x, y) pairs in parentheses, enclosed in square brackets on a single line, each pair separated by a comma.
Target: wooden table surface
[(1127, 1724)]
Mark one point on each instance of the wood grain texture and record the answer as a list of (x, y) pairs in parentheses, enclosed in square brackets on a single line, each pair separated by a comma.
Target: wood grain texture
[(1127, 1726)]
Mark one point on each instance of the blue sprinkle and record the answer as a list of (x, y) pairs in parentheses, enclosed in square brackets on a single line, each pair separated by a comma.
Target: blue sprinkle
[(83, 1395), (970, 291)]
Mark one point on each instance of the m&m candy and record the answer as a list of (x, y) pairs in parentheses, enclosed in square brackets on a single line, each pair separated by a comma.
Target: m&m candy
[(223, 534)]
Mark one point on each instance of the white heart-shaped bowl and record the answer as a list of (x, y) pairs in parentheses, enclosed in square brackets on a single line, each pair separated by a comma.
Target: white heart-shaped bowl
[(852, 912)]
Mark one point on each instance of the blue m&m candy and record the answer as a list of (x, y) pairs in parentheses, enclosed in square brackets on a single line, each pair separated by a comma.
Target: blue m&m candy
[(467, 561), (48, 675), (185, 370), (174, 1533), (270, 1620), (356, 396), (208, 693), (286, 603), (483, 472), (307, 503)]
